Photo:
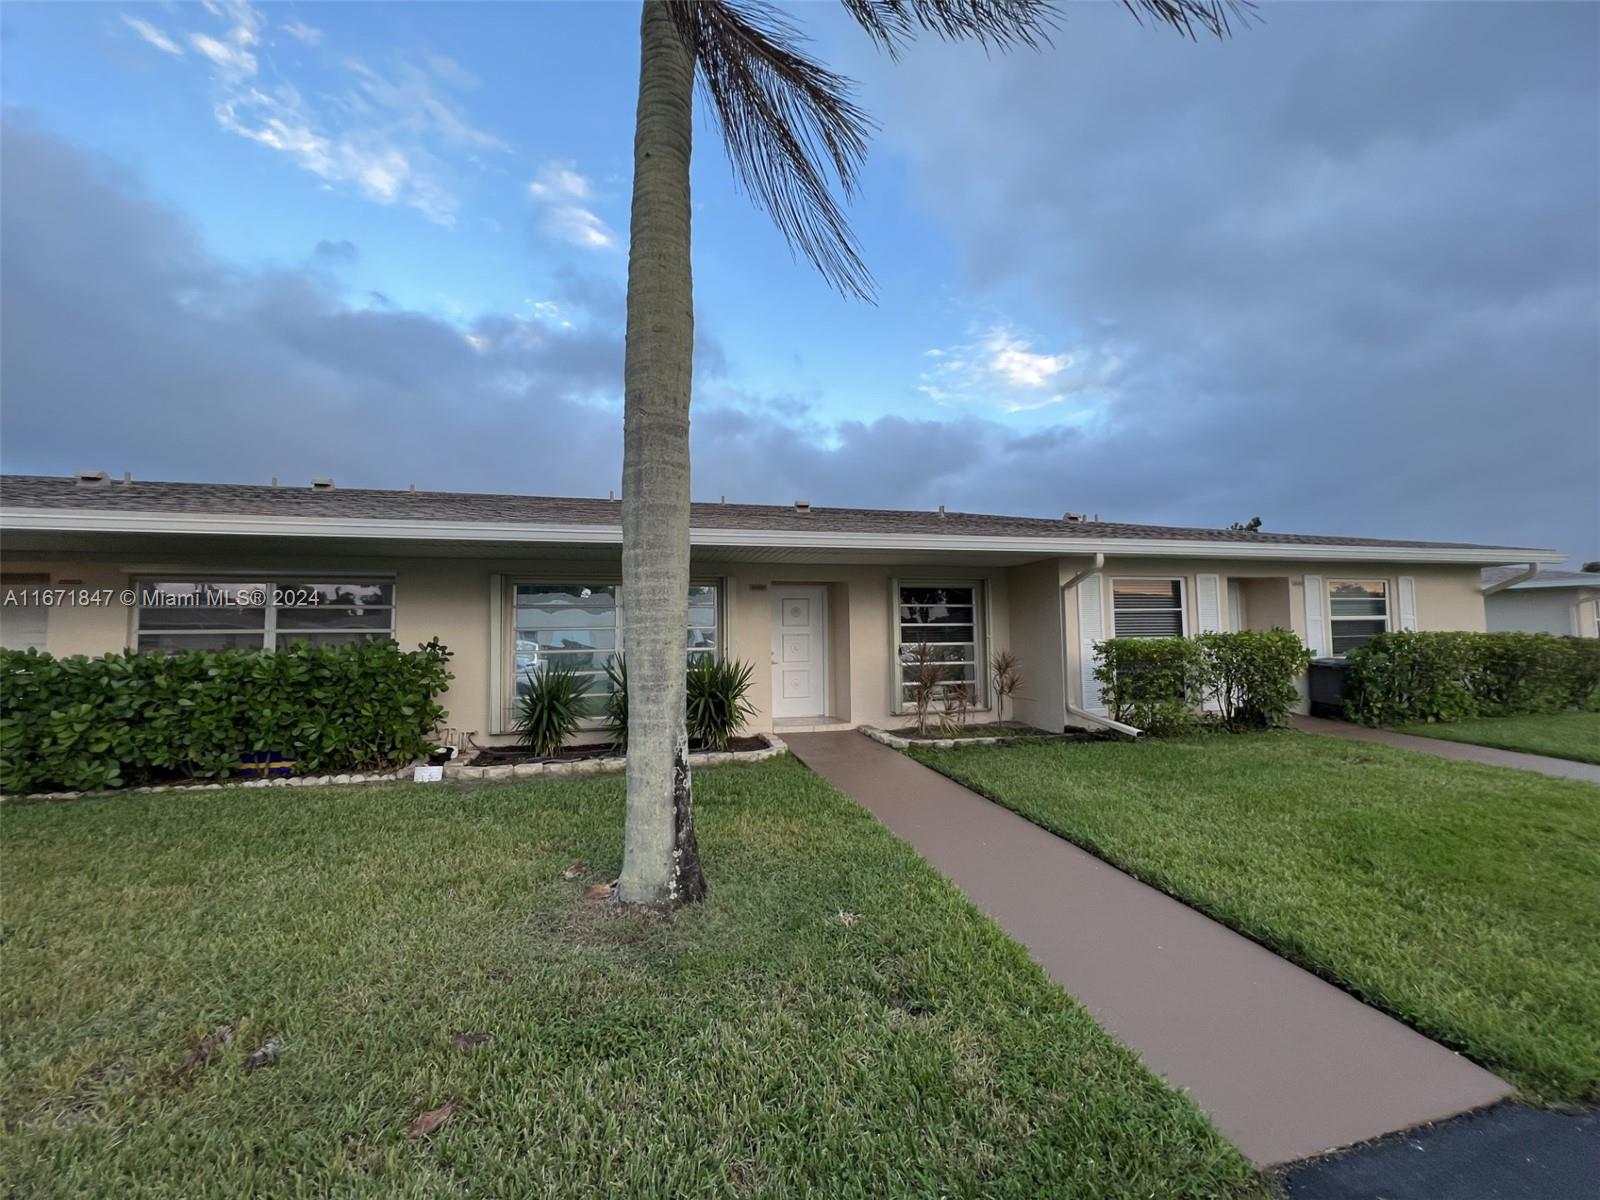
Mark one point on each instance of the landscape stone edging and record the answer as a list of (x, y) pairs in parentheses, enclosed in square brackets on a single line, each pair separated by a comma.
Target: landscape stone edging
[(461, 772), (453, 773), (895, 742)]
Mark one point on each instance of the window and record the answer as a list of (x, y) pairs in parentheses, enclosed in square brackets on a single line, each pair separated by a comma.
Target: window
[(945, 617), (1357, 609), (177, 615), (1147, 608), (577, 625)]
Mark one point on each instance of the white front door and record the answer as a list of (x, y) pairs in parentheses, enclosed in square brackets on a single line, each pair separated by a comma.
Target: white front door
[(799, 652)]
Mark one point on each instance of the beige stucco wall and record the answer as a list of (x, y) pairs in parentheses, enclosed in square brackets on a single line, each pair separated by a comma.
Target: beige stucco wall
[(1035, 591), (452, 599), (860, 612), (1542, 610), (1448, 597)]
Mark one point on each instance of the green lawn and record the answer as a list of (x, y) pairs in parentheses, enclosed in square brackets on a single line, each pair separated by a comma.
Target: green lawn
[(757, 1045), (1573, 735), (1464, 899)]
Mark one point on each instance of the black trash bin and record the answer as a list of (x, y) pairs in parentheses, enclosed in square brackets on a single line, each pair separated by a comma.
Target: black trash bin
[(1326, 680)]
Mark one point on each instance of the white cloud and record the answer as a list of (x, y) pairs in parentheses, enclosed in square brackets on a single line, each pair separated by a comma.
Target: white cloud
[(152, 35), (380, 169), (231, 58), (1012, 359), (409, 97), (301, 32), (561, 195), (999, 369), (231, 53), (384, 132)]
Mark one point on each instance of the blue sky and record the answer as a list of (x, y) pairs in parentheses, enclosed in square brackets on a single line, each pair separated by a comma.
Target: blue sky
[(1341, 271)]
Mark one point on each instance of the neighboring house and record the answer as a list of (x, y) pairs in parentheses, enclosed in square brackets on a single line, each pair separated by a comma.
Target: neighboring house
[(1560, 602), (826, 603)]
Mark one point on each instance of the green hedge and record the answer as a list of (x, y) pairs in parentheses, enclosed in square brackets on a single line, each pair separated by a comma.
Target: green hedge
[(1160, 685), (1407, 678), (1251, 675), (1153, 684), (81, 724)]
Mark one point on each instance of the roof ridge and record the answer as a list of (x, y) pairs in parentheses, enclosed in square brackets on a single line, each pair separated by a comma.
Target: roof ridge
[(306, 501)]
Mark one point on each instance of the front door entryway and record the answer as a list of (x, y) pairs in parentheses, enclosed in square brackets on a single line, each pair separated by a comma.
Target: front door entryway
[(799, 652)]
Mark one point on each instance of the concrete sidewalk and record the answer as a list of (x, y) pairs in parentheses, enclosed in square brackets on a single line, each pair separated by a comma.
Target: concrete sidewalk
[(1288, 1066), (1562, 768)]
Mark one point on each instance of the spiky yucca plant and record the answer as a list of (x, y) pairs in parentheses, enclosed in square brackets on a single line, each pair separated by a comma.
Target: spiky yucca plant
[(615, 713), (718, 703), (549, 711)]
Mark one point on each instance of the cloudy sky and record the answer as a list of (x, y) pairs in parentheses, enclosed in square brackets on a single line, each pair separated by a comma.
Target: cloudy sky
[(1342, 271)]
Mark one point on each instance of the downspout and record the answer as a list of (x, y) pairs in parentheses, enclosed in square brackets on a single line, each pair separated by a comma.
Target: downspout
[(1066, 693), (1521, 576)]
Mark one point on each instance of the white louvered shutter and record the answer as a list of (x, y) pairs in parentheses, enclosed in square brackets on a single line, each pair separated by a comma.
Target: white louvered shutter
[(1316, 625), (1091, 629), (1208, 600), (1408, 602)]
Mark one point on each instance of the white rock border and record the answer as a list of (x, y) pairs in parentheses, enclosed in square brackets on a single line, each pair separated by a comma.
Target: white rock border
[(453, 773), (895, 742), (461, 772)]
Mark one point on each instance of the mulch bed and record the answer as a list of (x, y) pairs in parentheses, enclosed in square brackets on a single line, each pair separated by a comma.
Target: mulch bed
[(975, 731), (505, 756)]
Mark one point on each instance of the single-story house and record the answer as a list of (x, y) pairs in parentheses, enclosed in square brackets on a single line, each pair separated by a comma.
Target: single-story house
[(826, 603), (1566, 603)]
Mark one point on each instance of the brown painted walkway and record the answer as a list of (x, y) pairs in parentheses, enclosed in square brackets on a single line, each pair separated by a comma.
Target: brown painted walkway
[(1460, 751), (1287, 1065)]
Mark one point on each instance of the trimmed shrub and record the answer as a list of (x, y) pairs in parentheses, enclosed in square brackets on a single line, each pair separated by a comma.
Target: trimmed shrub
[(81, 724), (1406, 678), (1583, 675), (1522, 673), (1251, 675), (1153, 684)]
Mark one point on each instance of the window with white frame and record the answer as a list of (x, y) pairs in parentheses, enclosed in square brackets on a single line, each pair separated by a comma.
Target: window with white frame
[(578, 625), (1358, 610), (1147, 608), (175, 615), (947, 618)]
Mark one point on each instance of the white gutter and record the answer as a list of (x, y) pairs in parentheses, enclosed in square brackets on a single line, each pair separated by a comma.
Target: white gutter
[(1072, 709), (78, 520), (1522, 576)]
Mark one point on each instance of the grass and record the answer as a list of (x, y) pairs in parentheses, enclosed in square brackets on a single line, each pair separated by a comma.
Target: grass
[(1574, 735), (760, 1044), (1460, 898)]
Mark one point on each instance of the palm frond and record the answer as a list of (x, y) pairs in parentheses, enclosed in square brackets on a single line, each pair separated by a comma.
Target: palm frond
[(1188, 16), (1001, 24), (786, 123)]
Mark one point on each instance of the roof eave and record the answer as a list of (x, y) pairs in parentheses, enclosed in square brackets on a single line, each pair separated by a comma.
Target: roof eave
[(245, 525)]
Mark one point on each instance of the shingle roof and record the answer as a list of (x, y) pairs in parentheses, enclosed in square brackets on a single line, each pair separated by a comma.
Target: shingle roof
[(1545, 578), (299, 502)]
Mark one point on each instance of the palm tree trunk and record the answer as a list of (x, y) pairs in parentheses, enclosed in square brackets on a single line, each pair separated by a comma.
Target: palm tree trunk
[(661, 862)]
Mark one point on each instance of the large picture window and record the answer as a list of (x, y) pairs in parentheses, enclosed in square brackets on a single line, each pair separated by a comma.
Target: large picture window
[(1358, 609), (946, 618), (1147, 608), (578, 625), (173, 616)]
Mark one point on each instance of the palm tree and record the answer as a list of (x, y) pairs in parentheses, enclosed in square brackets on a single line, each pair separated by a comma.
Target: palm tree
[(791, 129)]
